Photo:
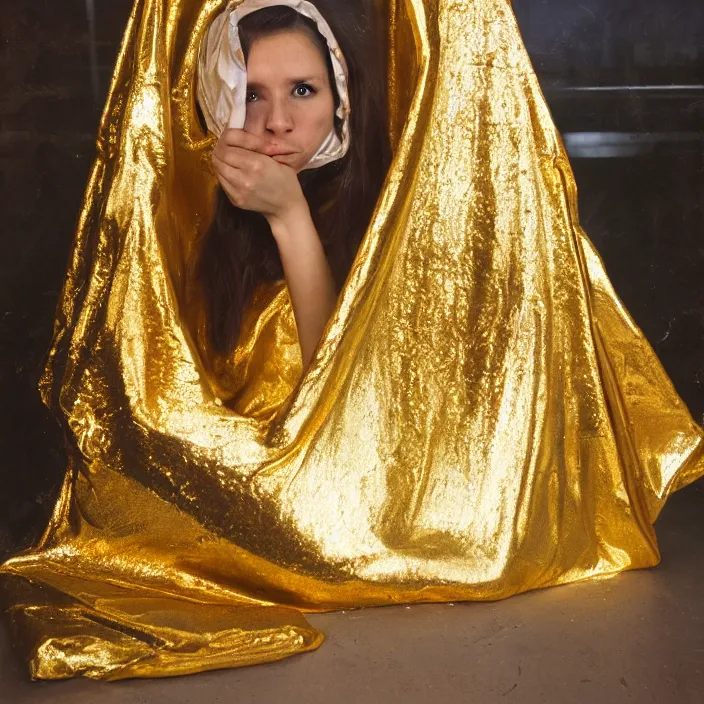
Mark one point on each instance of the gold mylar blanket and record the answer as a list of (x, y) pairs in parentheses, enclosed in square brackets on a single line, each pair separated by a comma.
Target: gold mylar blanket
[(482, 416)]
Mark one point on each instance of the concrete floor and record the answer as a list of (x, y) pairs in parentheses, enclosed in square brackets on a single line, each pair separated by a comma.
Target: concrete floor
[(638, 637)]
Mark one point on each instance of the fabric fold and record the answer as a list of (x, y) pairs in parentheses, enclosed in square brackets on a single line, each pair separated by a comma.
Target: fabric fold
[(481, 417)]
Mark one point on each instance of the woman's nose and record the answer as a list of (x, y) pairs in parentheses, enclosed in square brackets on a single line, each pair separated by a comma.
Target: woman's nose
[(279, 119)]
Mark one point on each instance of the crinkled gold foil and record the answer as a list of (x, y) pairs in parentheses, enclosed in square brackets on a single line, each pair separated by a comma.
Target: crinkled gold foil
[(482, 416)]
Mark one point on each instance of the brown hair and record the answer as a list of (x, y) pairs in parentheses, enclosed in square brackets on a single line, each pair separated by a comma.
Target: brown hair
[(238, 250)]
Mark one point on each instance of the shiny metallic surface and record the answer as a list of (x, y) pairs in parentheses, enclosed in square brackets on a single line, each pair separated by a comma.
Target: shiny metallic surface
[(636, 637), (482, 418)]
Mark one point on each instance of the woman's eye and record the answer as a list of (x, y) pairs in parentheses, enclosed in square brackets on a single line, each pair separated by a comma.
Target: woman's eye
[(305, 86), (302, 90)]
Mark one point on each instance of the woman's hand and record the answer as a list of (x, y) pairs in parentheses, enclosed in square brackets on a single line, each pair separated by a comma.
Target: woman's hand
[(253, 179)]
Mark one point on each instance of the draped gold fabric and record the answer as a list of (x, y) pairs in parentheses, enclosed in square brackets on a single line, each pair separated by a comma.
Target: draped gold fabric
[(482, 416)]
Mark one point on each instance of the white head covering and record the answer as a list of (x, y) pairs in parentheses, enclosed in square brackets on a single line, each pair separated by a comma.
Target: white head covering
[(222, 74)]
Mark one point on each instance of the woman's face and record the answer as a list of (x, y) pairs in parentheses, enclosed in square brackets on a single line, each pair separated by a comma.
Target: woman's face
[(289, 96)]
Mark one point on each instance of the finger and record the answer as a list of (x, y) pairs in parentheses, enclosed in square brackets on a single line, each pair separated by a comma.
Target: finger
[(233, 181), (234, 137), (229, 172), (239, 158), (264, 144)]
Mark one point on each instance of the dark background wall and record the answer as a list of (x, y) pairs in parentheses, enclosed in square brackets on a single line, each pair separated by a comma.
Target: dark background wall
[(636, 149)]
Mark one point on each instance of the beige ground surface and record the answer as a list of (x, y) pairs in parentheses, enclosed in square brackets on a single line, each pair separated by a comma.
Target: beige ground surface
[(638, 637)]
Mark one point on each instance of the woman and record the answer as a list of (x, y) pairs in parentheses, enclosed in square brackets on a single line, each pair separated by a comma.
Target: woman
[(276, 226), (479, 417)]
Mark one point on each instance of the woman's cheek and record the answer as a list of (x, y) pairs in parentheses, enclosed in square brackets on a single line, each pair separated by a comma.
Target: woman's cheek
[(252, 120)]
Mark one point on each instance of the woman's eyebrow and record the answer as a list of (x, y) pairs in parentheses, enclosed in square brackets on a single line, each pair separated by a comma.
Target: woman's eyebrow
[(254, 85)]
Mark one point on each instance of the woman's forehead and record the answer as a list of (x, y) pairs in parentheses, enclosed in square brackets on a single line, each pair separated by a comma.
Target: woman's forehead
[(292, 49)]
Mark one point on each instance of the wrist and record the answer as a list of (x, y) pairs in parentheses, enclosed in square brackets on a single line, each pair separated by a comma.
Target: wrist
[(287, 221)]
